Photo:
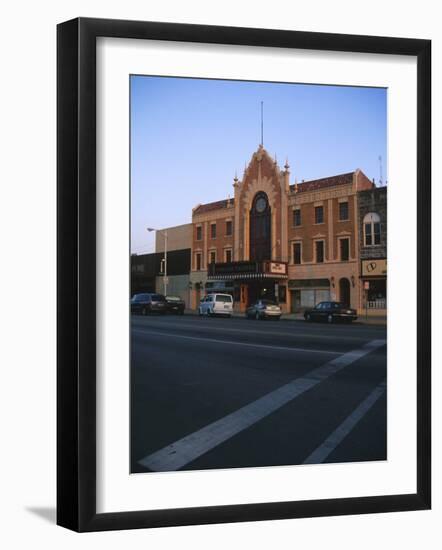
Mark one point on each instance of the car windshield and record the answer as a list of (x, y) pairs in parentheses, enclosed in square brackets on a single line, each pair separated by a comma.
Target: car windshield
[(268, 303), (158, 298), (337, 305), (139, 298)]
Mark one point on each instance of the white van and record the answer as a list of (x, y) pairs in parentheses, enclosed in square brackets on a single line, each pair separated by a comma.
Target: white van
[(216, 304)]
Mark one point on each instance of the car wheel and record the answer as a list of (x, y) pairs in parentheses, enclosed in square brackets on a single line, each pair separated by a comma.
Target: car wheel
[(257, 317), (330, 318), (308, 317), (200, 312)]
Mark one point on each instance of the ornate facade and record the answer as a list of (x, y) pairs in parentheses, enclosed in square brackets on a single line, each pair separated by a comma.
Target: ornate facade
[(295, 243)]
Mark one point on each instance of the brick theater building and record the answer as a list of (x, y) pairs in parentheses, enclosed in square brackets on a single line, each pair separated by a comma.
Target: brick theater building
[(296, 243)]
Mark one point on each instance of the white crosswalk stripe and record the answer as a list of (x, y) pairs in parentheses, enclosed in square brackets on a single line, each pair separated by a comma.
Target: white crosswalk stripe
[(189, 448), (341, 432)]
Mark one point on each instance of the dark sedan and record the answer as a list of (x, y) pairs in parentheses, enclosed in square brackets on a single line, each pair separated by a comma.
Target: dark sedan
[(175, 305), (148, 303), (330, 312)]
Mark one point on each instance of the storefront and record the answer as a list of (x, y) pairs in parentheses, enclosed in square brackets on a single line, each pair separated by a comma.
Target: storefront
[(251, 281), (374, 283), (306, 293)]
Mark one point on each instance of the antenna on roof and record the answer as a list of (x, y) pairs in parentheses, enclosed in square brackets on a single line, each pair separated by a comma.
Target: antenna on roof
[(262, 123), (380, 170)]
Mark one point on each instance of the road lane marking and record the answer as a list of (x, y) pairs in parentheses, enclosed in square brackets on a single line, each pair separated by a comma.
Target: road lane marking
[(189, 448), (341, 432), (221, 328), (233, 343)]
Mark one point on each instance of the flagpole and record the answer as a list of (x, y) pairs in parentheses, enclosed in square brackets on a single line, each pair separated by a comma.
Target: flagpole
[(262, 123)]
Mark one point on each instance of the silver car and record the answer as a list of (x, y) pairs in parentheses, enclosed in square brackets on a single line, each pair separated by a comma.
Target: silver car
[(264, 309)]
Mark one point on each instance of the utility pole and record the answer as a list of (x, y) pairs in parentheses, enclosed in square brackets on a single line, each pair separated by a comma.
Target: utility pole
[(164, 233)]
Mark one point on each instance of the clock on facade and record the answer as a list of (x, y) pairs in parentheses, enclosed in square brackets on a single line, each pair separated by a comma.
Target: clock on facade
[(261, 204)]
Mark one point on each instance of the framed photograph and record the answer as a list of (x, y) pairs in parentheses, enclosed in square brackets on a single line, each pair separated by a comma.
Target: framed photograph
[(230, 346)]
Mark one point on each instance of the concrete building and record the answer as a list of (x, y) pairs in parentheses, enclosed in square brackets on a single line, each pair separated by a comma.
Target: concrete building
[(147, 270), (296, 243)]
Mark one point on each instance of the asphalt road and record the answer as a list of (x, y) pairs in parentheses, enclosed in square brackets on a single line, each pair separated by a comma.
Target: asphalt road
[(226, 393)]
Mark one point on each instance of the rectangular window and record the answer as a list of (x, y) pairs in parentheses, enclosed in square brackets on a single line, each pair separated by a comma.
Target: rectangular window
[(228, 255), (319, 214), (213, 231), (377, 233), (345, 249), (198, 261), (297, 217), (228, 228), (212, 257), (343, 211), (368, 235), (319, 246), (297, 253), (199, 233)]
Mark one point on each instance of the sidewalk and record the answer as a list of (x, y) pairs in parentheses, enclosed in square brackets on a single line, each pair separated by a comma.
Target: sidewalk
[(361, 320)]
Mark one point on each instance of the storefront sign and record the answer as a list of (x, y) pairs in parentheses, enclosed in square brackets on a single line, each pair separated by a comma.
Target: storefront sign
[(276, 267), (374, 268)]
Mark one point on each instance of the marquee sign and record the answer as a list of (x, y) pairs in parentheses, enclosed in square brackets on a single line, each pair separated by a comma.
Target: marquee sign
[(248, 269), (278, 267)]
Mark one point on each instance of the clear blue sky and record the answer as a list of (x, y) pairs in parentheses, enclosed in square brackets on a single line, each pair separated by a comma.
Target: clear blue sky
[(189, 136)]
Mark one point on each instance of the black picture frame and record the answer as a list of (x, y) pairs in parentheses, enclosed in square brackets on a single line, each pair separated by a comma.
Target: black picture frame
[(76, 274)]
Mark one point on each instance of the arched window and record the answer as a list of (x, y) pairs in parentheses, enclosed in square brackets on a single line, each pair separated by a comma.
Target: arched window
[(260, 228), (372, 229)]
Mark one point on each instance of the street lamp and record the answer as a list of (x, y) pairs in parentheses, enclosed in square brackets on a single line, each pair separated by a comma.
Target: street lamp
[(164, 233)]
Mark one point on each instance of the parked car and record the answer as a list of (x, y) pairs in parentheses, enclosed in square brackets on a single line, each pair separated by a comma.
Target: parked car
[(216, 304), (264, 309), (330, 312), (175, 305), (146, 303)]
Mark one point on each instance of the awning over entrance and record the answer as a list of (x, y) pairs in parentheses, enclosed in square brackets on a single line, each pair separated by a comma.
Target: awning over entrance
[(248, 270)]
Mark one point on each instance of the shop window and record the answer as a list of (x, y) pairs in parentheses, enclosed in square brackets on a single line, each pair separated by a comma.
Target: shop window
[(319, 249), (199, 233), (228, 228), (344, 245), (319, 214), (372, 229), (297, 253), (343, 211)]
